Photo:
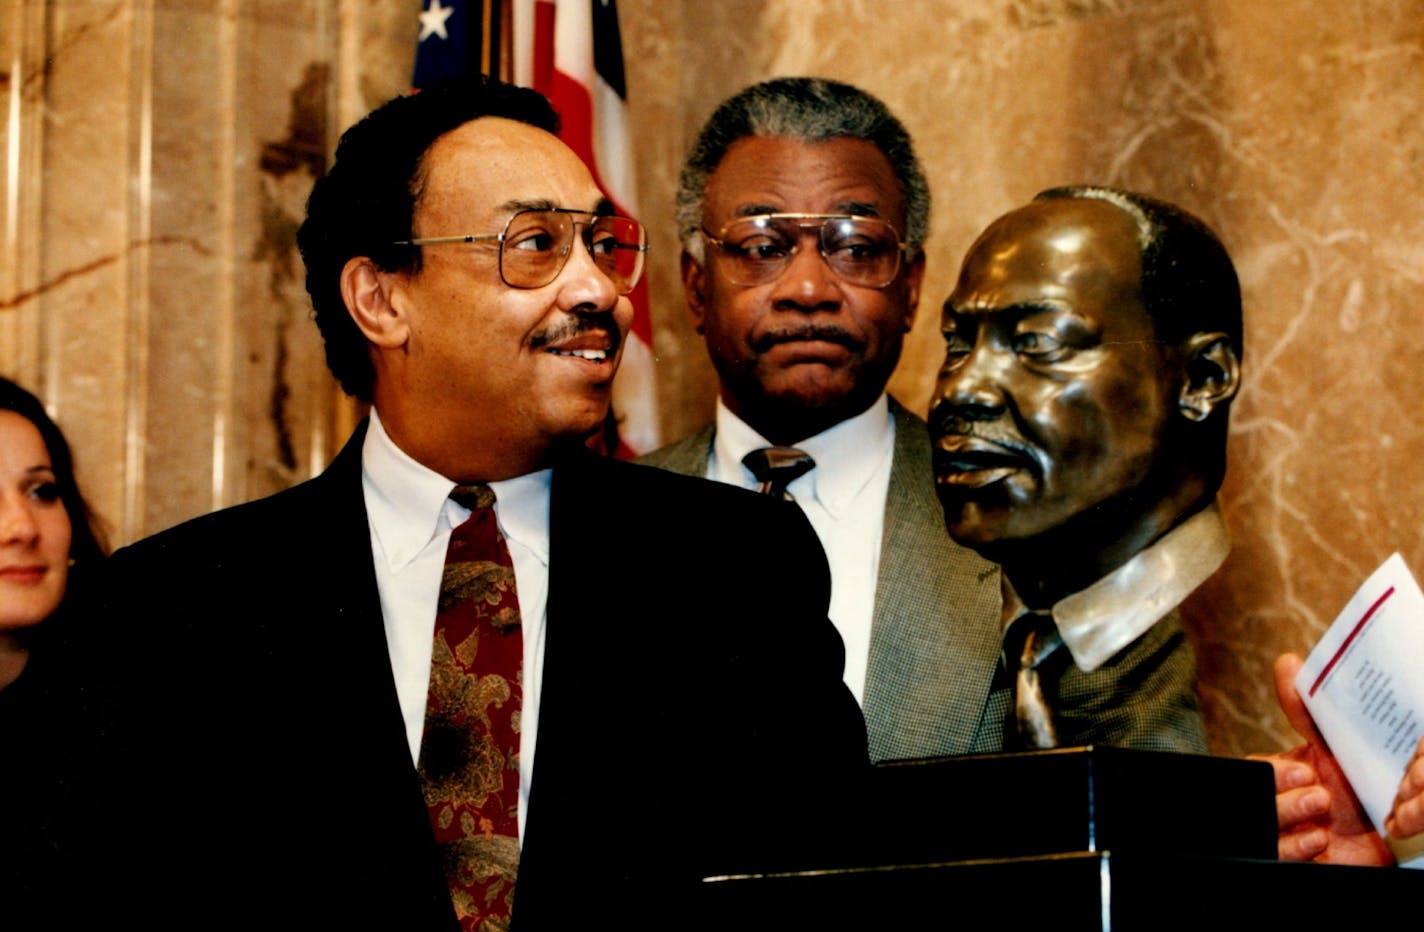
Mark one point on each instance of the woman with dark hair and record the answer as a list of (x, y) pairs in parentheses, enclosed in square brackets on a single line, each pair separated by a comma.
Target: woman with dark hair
[(49, 743), (47, 538)]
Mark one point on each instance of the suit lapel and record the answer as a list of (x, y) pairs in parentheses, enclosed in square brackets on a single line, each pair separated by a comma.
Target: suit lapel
[(348, 573), (594, 517), (350, 581), (345, 625), (571, 646), (934, 645)]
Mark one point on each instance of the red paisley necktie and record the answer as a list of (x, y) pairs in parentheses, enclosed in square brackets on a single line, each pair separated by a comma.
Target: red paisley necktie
[(469, 755)]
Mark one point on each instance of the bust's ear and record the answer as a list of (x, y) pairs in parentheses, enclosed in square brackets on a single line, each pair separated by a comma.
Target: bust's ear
[(374, 300), (1213, 375), (694, 289)]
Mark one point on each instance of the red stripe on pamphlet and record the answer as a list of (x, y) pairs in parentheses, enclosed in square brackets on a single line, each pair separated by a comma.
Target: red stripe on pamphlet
[(1353, 632)]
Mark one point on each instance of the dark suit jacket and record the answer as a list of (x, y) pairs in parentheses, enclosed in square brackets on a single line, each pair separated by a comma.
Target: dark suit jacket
[(935, 684), (688, 707)]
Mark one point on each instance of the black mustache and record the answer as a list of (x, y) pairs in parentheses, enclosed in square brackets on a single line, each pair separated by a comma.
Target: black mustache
[(945, 421), (580, 324), (987, 452), (809, 332), (997, 455)]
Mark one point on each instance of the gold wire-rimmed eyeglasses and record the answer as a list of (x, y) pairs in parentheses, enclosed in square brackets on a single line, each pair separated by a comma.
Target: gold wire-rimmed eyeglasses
[(535, 245)]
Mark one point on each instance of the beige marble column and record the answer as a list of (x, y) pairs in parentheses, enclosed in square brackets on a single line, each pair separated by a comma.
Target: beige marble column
[(157, 161)]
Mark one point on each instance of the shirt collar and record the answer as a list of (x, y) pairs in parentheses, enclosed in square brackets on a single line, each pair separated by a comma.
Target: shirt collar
[(409, 504), (1102, 619), (847, 455), (522, 506)]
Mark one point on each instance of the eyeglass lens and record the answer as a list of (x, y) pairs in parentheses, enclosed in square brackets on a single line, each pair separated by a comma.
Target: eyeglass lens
[(537, 244), (861, 250)]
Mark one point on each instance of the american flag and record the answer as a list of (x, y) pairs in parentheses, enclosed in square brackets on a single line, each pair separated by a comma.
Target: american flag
[(572, 52)]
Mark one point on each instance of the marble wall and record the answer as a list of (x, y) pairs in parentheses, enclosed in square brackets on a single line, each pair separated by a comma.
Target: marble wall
[(157, 154), (157, 161), (1294, 127)]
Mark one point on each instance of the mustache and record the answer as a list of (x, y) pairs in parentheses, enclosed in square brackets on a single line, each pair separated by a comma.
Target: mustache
[(946, 421), (827, 333), (577, 325)]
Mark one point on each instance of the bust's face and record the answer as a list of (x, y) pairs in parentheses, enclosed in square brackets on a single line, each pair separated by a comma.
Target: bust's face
[(1055, 399)]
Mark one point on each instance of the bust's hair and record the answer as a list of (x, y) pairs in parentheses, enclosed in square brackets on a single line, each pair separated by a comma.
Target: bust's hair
[(367, 201), (1189, 285), (805, 110)]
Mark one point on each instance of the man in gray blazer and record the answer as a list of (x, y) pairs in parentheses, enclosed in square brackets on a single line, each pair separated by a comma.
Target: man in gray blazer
[(804, 356), (802, 211)]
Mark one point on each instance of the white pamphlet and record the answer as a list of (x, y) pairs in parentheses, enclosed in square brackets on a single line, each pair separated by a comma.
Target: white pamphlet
[(1364, 686)]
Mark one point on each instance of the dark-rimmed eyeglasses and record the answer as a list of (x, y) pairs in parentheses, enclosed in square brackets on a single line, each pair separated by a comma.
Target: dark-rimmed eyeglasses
[(535, 246), (863, 251)]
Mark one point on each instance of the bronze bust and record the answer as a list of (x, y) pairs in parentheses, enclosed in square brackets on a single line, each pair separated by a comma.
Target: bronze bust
[(1093, 347)]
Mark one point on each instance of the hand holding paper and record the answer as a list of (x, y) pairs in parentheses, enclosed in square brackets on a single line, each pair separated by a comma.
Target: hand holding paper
[(1364, 690), (1319, 817), (1407, 818)]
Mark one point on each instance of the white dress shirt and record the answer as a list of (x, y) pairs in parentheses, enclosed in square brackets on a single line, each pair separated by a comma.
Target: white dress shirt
[(844, 499), (411, 516), (1097, 622)]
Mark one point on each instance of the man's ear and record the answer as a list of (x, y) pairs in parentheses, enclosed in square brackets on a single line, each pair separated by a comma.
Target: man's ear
[(914, 278), (694, 289), (1213, 375), (373, 301)]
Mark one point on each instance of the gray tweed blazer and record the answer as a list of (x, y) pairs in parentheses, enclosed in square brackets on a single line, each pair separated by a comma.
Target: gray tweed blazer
[(934, 641), (936, 684)]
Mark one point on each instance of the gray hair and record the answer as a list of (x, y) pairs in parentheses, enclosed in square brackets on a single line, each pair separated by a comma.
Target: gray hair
[(808, 110)]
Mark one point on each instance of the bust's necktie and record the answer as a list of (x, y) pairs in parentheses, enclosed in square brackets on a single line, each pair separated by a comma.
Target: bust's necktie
[(1028, 643), (778, 467), (469, 754)]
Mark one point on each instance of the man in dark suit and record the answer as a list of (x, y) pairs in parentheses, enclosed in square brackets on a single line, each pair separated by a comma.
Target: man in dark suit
[(1092, 353), (292, 759)]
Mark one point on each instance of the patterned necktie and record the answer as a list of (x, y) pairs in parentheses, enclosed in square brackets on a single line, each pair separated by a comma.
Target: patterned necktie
[(469, 755), (777, 467), (1030, 641)]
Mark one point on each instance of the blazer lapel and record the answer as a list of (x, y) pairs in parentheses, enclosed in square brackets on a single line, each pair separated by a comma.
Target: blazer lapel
[(688, 456), (934, 646)]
